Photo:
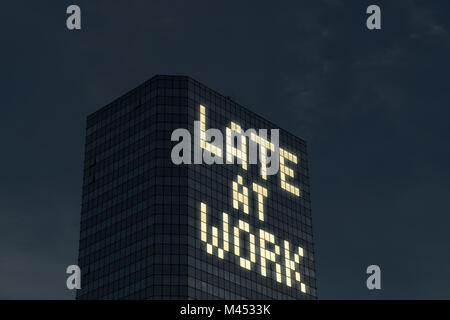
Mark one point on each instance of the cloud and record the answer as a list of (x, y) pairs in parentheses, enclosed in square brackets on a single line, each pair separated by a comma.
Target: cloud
[(425, 22)]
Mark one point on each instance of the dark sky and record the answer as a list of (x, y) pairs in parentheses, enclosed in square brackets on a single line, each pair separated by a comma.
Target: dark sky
[(372, 105)]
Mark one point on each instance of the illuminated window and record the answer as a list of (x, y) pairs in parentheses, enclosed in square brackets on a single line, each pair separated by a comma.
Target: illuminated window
[(240, 150), (214, 233), (262, 193), (240, 197), (245, 263), (290, 266), (266, 254), (263, 145), (286, 171), (203, 143)]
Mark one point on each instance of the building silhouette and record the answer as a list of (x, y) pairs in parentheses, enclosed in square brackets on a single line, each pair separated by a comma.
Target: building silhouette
[(151, 229)]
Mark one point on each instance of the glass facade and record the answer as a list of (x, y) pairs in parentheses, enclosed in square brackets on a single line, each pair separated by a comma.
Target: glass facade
[(151, 229)]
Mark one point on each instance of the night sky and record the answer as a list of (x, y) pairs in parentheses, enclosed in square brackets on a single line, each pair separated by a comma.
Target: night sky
[(372, 105)]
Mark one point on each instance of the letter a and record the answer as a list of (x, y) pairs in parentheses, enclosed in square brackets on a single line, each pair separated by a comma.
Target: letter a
[(183, 147), (74, 20), (373, 21), (74, 281), (374, 281)]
